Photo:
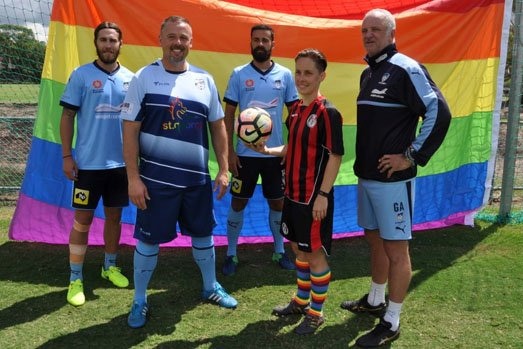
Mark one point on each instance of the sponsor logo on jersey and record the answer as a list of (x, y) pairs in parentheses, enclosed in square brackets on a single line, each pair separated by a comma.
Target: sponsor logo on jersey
[(378, 93), (127, 108), (107, 111)]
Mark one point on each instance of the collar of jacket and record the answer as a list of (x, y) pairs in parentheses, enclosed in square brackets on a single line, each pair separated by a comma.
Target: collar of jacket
[(384, 55)]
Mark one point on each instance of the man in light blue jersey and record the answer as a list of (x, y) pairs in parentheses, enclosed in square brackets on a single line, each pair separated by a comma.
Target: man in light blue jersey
[(268, 85), (94, 95), (167, 113)]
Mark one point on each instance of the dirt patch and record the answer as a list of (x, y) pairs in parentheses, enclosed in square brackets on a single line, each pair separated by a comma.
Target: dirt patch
[(18, 109)]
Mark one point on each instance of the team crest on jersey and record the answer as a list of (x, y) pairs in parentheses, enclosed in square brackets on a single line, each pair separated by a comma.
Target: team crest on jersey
[(200, 84), (277, 84), (384, 78), (126, 85), (236, 185), (249, 83), (97, 84), (312, 120), (81, 196)]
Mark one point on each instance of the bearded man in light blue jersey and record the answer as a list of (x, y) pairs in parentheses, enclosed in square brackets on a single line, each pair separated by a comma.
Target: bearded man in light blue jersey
[(94, 95), (268, 85)]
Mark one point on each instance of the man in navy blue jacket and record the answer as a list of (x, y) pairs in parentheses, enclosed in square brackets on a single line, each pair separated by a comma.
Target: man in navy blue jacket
[(395, 91)]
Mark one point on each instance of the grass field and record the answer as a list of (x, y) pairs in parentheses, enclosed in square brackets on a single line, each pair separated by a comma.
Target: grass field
[(19, 93), (466, 292)]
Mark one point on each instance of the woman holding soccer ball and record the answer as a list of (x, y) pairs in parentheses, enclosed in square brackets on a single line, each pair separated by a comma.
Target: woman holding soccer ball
[(312, 160)]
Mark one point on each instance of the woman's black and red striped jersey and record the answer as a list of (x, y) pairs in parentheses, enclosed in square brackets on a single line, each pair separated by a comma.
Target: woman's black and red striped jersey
[(314, 132)]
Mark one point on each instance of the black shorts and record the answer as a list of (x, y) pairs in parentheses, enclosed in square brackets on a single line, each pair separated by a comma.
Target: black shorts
[(297, 225), (110, 185), (272, 177)]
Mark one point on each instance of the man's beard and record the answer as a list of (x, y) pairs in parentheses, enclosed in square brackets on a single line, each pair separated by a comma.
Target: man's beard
[(108, 57), (260, 54), (173, 59)]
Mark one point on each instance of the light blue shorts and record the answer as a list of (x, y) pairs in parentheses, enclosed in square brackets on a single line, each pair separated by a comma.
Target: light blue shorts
[(387, 207)]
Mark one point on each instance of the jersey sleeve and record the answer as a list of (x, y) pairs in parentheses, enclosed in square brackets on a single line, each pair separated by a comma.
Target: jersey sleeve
[(291, 93), (215, 107), (232, 92), (334, 129), (132, 105), (72, 96), (435, 114)]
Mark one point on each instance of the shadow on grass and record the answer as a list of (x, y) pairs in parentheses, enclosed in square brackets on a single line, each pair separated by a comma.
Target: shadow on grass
[(435, 250), (116, 333), (177, 283), (268, 334)]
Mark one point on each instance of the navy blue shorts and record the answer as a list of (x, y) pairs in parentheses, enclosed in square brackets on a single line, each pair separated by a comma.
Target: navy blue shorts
[(110, 185), (272, 177), (191, 208)]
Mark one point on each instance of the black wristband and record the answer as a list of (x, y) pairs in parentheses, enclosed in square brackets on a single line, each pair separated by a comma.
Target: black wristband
[(322, 193)]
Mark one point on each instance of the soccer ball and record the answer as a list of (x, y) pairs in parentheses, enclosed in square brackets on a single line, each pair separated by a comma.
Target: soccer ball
[(253, 125)]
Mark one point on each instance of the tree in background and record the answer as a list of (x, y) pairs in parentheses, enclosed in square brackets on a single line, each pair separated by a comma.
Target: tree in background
[(21, 55)]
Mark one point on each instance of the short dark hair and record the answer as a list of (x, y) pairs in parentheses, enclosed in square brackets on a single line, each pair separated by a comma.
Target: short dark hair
[(107, 25), (263, 27), (317, 57)]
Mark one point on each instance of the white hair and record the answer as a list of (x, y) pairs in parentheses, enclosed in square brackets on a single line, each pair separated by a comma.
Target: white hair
[(386, 16)]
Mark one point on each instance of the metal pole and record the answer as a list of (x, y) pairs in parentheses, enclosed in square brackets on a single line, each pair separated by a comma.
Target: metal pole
[(516, 78)]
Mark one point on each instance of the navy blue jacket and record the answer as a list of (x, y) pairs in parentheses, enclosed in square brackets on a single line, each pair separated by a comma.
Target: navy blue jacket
[(395, 91)]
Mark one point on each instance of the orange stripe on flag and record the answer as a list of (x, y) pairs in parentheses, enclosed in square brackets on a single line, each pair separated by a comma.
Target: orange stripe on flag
[(219, 26)]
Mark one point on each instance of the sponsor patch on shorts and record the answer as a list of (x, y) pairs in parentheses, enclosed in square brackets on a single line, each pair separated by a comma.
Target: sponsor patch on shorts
[(81, 196)]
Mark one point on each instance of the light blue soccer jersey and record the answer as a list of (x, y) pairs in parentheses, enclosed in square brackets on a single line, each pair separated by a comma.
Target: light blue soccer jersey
[(97, 96), (174, 109), (270, 90)]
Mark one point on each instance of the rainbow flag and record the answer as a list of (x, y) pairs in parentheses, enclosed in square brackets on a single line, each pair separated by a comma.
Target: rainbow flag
[(463, 43)]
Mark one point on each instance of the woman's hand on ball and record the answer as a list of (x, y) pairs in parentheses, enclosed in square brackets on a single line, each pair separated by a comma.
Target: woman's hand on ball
[(260, 147)]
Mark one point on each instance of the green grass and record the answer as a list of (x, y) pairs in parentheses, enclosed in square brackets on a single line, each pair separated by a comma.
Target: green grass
[(466, 292), (19, 93)]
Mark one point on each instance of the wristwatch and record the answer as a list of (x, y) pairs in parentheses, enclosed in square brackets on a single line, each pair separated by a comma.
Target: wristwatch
[(322, 193), (409, 157)]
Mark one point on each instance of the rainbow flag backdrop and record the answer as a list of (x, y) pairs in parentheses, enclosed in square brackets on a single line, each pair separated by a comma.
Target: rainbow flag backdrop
[(461, 42)]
